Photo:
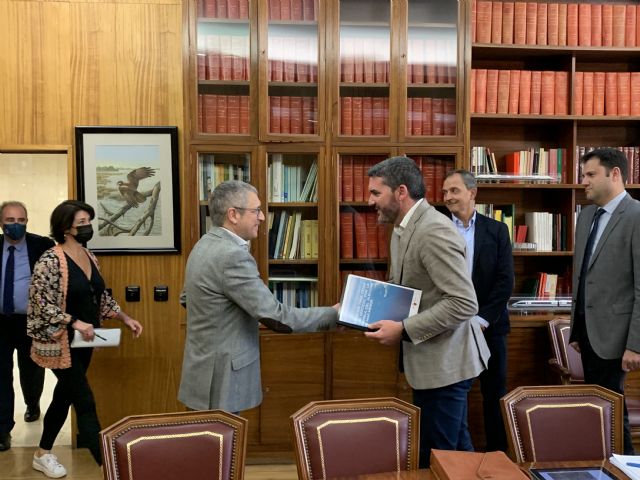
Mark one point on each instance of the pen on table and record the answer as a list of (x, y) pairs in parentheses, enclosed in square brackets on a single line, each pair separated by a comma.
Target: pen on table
[(631, 464), (100, 336)]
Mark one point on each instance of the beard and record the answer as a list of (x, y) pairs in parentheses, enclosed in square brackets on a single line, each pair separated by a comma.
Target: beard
[(388, 214)]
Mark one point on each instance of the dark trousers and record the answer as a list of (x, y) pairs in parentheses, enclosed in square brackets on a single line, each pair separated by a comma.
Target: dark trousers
[(607, 373), (73, 389), (493, 387), (443, 419), (13, 336)]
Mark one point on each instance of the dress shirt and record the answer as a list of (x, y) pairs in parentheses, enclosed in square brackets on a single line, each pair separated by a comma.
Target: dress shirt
[(405, 221), (241, 241), (21, 276), (609, 208)]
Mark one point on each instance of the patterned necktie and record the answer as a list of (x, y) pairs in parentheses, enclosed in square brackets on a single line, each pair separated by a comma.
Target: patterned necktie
[(7, 297), (587, 257)]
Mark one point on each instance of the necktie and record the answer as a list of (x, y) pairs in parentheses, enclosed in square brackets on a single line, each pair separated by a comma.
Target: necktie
[(7, 299), (587, 257)]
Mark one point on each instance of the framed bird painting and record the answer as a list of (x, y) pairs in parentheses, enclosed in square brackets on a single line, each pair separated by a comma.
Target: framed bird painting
[(129, 175)]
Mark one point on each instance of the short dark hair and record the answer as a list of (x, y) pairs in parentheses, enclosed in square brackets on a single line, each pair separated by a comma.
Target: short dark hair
[(609, 158), (231, 193), (396, 171), (13, 203), (63, 215), (467, 177)]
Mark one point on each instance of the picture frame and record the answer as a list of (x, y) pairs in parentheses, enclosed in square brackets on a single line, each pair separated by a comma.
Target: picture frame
[(129, 175)]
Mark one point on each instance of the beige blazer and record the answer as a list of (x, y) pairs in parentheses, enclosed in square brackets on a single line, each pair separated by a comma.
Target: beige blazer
[(446, 346)]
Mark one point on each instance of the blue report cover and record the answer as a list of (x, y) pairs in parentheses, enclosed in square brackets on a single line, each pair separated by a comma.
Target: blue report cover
[(365, 301)]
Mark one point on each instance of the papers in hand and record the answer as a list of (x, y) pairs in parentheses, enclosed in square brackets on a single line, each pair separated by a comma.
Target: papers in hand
[(629, 464), (110, 338), (365, 301)]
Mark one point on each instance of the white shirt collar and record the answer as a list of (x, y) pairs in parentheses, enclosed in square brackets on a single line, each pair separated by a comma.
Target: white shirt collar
[(405, 221)]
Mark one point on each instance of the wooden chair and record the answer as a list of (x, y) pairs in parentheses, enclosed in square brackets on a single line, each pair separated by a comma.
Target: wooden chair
[(176, 446), (563, 423), (337, 438)]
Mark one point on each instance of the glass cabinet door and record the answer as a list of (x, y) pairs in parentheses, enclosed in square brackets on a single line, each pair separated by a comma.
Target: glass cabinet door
[(432, 59)]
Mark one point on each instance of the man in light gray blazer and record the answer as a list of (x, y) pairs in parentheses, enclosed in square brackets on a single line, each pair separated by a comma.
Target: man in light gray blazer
[(226, 299), (443, 346), (605, 321)]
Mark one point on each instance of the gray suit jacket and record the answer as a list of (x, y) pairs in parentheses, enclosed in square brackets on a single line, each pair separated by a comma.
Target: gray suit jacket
[(446, 345), (225, 299), (612, 285)]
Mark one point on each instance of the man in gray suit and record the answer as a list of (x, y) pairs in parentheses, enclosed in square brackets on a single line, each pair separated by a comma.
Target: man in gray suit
[(443, 346), (226, 299), (605, 321)]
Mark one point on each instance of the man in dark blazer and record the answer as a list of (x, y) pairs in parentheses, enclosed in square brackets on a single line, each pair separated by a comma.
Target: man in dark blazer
[(490, 263), (605, 320), (19, 251)]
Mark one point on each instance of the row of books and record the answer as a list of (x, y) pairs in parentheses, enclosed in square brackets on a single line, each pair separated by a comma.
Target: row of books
[(527, 92), (633, 161), (295, 293), (293, 10), (364, 115), (431, 116), (527, 162), (223, 57), (547, 230), (293, 115), (364, 60), (432, 60), (291, 237), (290, 182), (293, 59), (212, 174), (562, 24), (502, 213), (606, 93), (227, 114), (548, 285), (223, 8), (362, 237)]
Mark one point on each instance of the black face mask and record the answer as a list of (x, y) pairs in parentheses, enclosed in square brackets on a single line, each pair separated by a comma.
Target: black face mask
[(85, 233)]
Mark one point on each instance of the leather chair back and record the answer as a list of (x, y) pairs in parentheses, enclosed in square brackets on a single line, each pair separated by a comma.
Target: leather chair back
[(175, 446), (338, 438), (563, 423), (565, 359)]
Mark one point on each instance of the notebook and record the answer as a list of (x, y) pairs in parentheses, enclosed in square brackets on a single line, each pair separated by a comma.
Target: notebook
[(110, 338)]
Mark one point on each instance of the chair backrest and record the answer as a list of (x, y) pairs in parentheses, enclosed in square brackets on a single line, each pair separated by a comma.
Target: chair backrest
[(336, 438), (563, 423), (565, 358), (194, 445)]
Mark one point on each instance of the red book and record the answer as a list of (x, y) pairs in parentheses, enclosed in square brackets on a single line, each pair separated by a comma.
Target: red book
[(552, 24), (308, 9), (492, 91), (472, 94), (285, 115), (496, 22), (483, 28), (415, 116), (562, 24), (427, 116), (547, 93), (637, 29), (314, 113), (201, 124), (274, 9), (378, 116), (524, 102), (347, 58), (429, 178), (295, 126), (437, 110), (520, 23), (303, 49), (238, 57), (213, 57), (504, 77), (221, 9), (541, 24), (210, 116), (512, 162), (226, 55), (385, 115), (233, 8), (532, 23), (607, 25), (233, 114), (383, 242), (572, 24), (221, 114), (285, 9), (347, 178), (210, 8), (514, 91), (635, 95), (578, 85), (381, 60), (356, 126), (431, 75), (598, 93), (619, 25), (202, 66), (474, 21), (587, 94), (442, 73), (584, 24), (346, 116), (536, 86), (449, 116), (308, 116), (624, 93), (630, 26), (611, 95), (274, 115), (507, 23), (346, 235), (367, 116), (368, 71), (561, 94), (358, 173), (296, 10), (289, 66), (596, 25), (360, 227), (244, 114), (358, 59), (441, 168), (371, 220), (244, 8), (481, 90)]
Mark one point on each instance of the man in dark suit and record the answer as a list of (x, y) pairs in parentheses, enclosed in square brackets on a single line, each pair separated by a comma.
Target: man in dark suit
[(19, 251), (490, 263), (605, 321)]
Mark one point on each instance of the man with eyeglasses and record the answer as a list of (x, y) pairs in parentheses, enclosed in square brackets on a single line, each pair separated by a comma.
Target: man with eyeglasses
[(226, 300)]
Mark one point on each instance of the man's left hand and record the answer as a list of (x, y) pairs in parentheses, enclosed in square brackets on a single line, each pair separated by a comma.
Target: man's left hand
[(630, 361), (388, 332)]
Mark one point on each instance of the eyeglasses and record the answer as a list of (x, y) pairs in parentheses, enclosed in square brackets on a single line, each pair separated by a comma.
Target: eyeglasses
[(256, 210)]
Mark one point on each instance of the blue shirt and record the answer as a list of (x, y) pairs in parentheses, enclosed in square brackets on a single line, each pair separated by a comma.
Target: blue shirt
[(609, 208), (21, 275), (469, 235)]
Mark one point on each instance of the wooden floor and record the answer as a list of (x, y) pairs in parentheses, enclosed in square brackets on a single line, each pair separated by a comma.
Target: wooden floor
[(15, 464)]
